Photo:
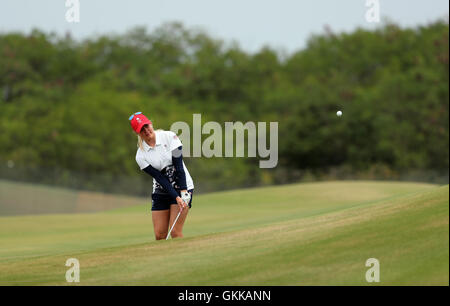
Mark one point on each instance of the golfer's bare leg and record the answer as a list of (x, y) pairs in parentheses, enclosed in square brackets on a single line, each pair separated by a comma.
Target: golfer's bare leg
[(177, 231), (160, 223)]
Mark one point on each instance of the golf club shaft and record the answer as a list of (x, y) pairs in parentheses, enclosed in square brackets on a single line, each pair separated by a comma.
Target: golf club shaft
[(173, 225)]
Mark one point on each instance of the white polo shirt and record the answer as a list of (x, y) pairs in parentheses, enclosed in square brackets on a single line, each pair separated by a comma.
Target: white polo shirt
[(160, 156)]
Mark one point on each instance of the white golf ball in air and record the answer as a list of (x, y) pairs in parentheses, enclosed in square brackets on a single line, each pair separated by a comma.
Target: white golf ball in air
[(339, 113)]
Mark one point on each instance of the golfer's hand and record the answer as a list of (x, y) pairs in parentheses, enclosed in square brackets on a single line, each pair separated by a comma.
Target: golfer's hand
[(185, 196), (181, 203)]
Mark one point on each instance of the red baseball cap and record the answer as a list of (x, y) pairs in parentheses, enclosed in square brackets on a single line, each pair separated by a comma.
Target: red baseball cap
[(137, 121)]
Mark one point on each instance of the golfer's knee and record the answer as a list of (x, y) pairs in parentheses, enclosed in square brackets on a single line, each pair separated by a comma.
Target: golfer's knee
[(160, 235), (176, 234)]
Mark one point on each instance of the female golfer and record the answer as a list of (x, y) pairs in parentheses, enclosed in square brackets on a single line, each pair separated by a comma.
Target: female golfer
[(159, 154)]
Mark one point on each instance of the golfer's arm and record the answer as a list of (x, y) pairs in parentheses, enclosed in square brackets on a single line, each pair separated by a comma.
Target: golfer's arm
[(162, 180), (177, 161)]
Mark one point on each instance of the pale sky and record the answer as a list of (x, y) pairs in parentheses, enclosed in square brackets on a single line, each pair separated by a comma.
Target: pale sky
[(282, 24)]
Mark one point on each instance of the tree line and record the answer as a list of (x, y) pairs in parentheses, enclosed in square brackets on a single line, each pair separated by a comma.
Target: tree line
[(64, 104)]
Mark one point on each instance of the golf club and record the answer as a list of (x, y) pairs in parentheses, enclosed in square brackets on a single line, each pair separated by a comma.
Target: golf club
[(173, 224)]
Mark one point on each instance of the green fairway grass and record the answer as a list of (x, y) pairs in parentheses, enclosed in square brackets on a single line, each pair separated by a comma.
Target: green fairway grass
[(302, 234)]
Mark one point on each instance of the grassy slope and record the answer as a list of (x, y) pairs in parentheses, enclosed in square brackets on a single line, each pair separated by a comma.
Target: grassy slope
[(17, 198), (314, 234)]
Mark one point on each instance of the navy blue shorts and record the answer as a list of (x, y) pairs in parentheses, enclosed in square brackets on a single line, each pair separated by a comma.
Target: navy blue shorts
[(162, 201)]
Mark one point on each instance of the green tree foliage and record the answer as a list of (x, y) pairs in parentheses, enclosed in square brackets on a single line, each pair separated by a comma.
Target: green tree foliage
[(64, 104)]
